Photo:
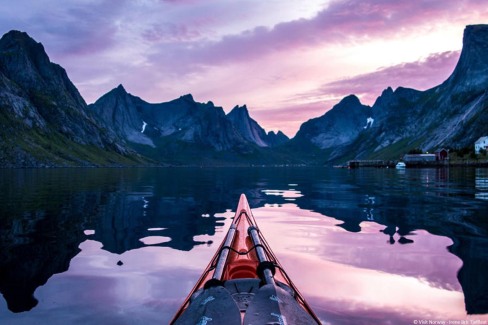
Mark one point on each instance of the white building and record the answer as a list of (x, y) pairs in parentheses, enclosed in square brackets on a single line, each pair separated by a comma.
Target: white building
[(481, 143)]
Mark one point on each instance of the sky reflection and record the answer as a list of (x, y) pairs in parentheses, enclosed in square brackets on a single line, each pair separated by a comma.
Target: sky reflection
[(147, 288), (348, 273), (123, 247), (286, 194)]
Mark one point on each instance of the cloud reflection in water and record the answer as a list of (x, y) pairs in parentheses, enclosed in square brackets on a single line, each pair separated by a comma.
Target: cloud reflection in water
[(358, 274)]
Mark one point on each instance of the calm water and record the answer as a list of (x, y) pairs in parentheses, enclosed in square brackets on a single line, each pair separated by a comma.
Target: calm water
[(367, 246)]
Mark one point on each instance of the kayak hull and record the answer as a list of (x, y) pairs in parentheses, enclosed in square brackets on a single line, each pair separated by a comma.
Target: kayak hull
[(244, 281)]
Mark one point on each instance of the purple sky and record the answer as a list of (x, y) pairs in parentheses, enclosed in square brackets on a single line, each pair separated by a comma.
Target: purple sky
[(289, 61)]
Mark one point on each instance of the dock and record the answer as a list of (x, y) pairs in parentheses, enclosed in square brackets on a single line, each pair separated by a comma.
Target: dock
[(371, 163)]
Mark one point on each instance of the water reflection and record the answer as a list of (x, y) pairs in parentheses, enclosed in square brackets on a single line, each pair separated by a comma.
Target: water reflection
[(481, 184), (356, 278), (47, 217), (123, 219), (429, 199)]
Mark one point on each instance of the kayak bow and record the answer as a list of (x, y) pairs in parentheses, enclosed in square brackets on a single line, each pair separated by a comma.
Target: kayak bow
[(244, 283)]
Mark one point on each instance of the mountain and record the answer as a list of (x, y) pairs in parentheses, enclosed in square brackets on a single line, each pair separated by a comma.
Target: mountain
[(453, 114), (43, 118), (251, 131), (119, 112), (184, 131), (339, 126), (44, 121), (276, 139)]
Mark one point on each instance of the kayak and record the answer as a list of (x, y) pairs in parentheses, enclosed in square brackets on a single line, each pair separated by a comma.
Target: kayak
[(244, 283)]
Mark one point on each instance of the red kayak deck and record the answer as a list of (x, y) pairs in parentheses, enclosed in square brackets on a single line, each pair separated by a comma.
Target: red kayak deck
[(235, 276)]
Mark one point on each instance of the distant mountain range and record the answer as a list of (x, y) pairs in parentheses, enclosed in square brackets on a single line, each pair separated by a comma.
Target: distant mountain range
[(184, 131), (44, 121)]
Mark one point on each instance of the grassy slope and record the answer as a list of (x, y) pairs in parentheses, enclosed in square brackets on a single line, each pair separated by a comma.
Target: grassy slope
[(31, 147)]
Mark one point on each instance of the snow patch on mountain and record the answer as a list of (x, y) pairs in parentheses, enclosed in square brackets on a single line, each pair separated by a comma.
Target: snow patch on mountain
[(369, 122)]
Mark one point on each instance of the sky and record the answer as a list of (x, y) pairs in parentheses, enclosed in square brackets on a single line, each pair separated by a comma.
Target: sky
[(287, 60)]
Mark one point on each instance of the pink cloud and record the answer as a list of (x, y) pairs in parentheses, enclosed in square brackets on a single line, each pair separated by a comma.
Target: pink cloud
[(341, 22), (170, 32), (421, 75), (163, 49)]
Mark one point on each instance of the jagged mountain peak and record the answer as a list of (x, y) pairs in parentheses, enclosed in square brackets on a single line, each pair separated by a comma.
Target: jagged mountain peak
[(240, 108), (276, 139), (118, 91), (338, 126), (451, 114), (475, 36), (186, 104), (24, 61), (121, 89), (472, 68), (15, 38), (388, 96), (351, 100), (118, 111), (246, 126), (385, 97), (187, 97), (240, 111), (348, 106), (43, 104), (19, 48)]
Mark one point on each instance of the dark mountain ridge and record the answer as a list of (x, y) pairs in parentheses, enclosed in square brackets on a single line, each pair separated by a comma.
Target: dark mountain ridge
[(251, 131), (44, 120), (453, 114), (338, 127), (184, 129)]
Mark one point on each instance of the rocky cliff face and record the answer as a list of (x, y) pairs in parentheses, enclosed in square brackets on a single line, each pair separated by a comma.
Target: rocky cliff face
[(181, 125), (182, 119), (276, 139), (45, 122), (43, 118), (339, 126), (251, 131), (471, 72), (453, 114), (119, 112), (247, 127), (185, 120), (45, 86), (457, 109)]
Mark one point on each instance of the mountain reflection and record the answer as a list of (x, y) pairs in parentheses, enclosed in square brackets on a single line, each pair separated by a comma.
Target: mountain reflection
[(44, 213), (123, 220), (403, 206)]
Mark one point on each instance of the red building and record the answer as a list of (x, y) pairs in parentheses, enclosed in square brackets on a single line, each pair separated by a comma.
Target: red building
[(441, 154)]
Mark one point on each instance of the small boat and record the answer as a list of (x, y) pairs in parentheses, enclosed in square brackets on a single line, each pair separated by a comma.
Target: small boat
[(400, 165), (244, 283)]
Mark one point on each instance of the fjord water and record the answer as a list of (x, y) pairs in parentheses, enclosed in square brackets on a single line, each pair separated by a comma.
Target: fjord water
[(125, 246)]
